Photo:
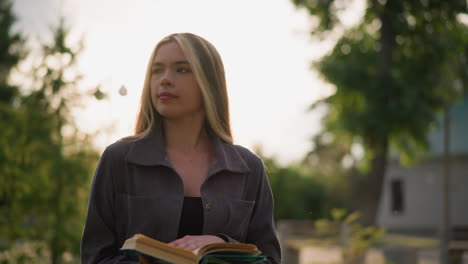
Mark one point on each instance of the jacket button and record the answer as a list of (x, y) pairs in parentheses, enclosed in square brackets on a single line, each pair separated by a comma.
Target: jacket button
[(208, 206)]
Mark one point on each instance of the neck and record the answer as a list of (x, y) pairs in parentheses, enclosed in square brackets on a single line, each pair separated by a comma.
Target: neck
[(186, 135)]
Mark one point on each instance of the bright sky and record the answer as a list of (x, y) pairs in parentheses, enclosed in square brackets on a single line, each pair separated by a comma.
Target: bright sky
[(265, 46)]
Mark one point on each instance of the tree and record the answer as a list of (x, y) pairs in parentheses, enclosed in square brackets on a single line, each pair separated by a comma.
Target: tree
[(47, 163), (69, 152), (11, 51), (332, 161), (299, 192), (393, 72)]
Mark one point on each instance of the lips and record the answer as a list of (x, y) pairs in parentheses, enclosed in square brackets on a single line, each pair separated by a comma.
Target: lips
[(167, 96)]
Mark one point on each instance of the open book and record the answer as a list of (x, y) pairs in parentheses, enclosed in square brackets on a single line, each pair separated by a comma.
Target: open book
[(159, 252)]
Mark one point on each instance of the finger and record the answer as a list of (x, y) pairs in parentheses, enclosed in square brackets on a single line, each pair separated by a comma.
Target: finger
[(194, 242), (188, 244), (179, 241), (174, 243), (192, 246)]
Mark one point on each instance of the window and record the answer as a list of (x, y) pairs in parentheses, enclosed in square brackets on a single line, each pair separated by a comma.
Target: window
[(397, 196)]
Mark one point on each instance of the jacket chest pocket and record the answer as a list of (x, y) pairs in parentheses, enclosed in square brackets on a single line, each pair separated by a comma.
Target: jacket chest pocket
[(239, 213)]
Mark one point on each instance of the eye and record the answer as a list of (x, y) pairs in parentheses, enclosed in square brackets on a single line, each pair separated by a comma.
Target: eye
[(156, 70), (183, 70)]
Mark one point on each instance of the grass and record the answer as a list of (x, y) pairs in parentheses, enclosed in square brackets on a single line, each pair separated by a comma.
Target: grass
[(388, 240), (408, 241)]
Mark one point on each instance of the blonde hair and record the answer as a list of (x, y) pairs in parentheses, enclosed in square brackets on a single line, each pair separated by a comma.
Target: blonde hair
[(208, 68)]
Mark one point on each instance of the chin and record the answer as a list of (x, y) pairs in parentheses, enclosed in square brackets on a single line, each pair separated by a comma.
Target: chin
[(168, 113), (176, 112)]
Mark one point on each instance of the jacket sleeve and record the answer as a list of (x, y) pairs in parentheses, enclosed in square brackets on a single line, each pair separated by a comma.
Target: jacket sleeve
[(99, 243), (261, 231)]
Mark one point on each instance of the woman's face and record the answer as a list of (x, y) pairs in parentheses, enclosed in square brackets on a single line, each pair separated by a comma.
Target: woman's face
[(174, 91)]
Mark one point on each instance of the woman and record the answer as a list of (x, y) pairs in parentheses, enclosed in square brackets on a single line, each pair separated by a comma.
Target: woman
[(180, 179)]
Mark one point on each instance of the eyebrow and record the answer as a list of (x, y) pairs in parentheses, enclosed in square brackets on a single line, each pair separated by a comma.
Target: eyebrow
[(175, 63)]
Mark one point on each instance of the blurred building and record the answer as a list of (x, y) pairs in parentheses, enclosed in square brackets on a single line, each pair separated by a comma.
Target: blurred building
[(412, 196)]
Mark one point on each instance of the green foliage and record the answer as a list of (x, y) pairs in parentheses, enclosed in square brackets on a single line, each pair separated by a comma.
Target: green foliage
[(299, 191), (311, 188), (46, 163), (394, 72), (297, 196), (26, 252), (355, 240), (333, 162), (326, 12), (11, 51), (420, 87)]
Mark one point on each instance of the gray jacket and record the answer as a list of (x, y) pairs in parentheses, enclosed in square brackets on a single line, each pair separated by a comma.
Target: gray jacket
[(136, 190)]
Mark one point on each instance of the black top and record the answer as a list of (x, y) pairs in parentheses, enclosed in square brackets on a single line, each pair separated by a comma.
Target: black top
[(191, 219)]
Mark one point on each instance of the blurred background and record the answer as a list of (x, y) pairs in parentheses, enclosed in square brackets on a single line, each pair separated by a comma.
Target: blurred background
[(359, 109)]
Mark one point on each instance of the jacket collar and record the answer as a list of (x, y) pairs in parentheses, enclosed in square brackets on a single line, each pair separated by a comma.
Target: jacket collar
[(150, 151)]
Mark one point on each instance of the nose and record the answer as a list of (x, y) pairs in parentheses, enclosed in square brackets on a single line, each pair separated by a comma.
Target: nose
[(166, 79), (166, 82)]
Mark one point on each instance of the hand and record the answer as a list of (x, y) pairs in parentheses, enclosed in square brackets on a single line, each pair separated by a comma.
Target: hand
[(193, 242)]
